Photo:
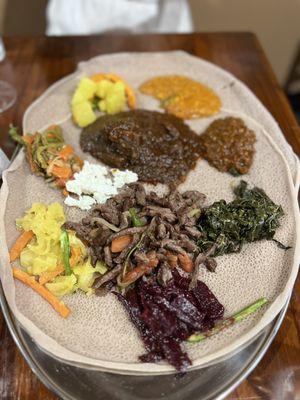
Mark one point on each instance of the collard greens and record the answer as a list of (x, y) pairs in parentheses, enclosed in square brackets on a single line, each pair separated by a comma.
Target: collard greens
[(251, 216)]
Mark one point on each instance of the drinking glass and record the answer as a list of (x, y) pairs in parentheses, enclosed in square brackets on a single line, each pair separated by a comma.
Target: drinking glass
[(8, 93)]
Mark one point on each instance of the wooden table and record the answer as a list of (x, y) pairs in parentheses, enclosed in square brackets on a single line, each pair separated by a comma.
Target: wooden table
[(32, 64)]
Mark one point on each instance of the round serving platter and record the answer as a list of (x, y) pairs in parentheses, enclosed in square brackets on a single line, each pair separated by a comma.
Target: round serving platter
[(73, 377), (77, 382), (213, 381), (71, 382)]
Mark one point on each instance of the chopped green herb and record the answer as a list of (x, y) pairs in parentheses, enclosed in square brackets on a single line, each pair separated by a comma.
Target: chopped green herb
[(95, 103), (136, 221), (134, 248), (66, 251), (251, 216)]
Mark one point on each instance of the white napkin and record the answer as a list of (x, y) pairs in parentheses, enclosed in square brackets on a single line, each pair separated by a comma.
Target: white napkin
[(4, 161)]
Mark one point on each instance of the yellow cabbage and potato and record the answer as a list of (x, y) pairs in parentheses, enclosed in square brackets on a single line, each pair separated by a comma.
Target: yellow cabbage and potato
[(104, 95), (43, 254)]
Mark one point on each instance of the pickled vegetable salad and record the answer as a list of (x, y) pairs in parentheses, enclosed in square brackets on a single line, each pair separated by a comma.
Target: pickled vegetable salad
[(48, 154), (53, 257)]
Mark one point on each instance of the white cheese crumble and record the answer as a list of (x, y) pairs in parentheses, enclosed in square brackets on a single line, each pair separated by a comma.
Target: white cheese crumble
[(95, 184)]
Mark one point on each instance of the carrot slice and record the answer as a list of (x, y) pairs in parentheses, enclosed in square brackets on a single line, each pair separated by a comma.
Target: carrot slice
[(63, 172), (79, 161), (120, 243), (48, 276), (66, 152), (171, 259), (98, 77), (139, 271), (57, 304), (52, 127), (28, 139), (61, 182), (19, 245), (76, 255), (185, 262)]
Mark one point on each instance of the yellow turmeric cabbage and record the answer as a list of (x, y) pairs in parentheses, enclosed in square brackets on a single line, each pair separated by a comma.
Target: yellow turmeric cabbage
[(107, 96), (103, 88), (87, 88), (83, 114), (44, 254), (113, 96), (86, 275), (62, 285)]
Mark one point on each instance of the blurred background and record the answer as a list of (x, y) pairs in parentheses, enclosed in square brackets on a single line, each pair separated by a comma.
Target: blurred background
[(275, 22)]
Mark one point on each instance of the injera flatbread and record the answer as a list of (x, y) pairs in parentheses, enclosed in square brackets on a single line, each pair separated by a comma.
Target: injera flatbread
[(98, 332)]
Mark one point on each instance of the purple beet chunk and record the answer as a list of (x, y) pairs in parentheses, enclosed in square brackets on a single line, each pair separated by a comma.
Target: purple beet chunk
[(204, 297), (207, 324), (152, 356), (167, 320), (162, 319), (156, 296), (131, 305), (165, 316), (130, 302), (159, 319), (182, 331), (180, 281), (156, 306), (186, 311), (208, 301), (175, 355)]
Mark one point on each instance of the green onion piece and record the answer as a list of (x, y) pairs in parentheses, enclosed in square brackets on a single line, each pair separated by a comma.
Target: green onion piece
[(137, 246), (239, 316), (13, 133), (95, 102), (66, 251), (135, 219)]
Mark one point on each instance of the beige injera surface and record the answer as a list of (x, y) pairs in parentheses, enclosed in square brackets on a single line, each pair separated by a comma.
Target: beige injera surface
[(98, 332)]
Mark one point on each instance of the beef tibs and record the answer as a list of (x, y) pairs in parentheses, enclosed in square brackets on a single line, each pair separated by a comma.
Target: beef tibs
[(137, 234), (158, 147)]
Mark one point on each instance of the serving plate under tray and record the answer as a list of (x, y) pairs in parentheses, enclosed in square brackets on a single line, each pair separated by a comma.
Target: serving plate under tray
[(77, 382)]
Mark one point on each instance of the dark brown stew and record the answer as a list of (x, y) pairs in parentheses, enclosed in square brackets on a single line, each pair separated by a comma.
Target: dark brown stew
[(158, 147), (228, 145)]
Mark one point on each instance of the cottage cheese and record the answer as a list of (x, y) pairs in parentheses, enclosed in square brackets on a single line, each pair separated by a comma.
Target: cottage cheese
[(94, 184)]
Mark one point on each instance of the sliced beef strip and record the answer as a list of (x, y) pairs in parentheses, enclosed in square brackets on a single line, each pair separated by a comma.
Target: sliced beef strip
[(170, 226)]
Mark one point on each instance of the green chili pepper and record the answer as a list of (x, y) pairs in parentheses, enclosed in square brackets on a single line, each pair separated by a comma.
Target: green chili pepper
[(239, 316), (13, 133), (136, 221), (39, 157), (66, 251)]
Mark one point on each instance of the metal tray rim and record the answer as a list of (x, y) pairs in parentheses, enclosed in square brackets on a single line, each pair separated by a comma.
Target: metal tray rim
[(14, 329)]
